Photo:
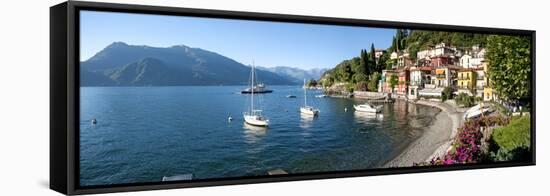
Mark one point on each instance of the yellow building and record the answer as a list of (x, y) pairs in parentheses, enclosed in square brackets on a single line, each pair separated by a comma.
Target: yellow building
[(466, 79), (487, 90)]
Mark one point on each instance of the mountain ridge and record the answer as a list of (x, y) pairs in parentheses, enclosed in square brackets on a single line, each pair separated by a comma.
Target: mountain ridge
[(120, 64)]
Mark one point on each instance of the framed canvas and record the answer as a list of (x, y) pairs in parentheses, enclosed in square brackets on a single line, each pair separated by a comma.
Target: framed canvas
[(145, 97)]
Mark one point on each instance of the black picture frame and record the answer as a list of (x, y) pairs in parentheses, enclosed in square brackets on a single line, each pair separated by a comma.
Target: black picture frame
[(64, 95)]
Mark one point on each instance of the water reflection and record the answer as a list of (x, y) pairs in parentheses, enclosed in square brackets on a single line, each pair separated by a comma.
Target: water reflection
[(306, 120), (253, 134), (365, 117)]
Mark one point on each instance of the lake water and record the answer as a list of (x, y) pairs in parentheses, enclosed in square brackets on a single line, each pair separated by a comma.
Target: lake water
[(145, 133)]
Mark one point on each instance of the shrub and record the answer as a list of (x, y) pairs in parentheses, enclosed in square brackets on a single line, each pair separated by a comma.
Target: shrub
[(514, 135), (447, 93), (465, 100), (467, 146)]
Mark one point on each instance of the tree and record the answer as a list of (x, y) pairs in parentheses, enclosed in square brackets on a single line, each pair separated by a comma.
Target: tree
[(447, 93), (373, 83), (311, 83), (464, 100), (382, 61), (372, 58), (509, 59), (393, 81), (361, 86), (364, 63), (360, 77)]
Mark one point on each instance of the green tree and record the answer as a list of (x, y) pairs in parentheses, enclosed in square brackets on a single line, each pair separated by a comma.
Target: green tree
[(465, 100), (393, 81), (364, 63), (372, 59), (509, 72), (311, 83), (361, 86), (373, 82), (360, 77), (447, 93), (382, 61)]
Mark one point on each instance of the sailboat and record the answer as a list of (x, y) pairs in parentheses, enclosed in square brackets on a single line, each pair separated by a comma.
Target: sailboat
[(254, 116), (309, 110)]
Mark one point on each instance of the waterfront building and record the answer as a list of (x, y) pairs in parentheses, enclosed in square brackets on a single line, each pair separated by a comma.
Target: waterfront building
[(384, 84), (378, 53), (446, 76), (403, 84), (466, 81), (440, 49), (480, 80), (488, 94), (442, 60), (404, 60), (419, 76), (473, 58)]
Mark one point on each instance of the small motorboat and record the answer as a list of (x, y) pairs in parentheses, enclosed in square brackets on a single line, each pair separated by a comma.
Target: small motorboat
[(367, 107), (94, 121), (291, 96), (477, 111), (321, 96)]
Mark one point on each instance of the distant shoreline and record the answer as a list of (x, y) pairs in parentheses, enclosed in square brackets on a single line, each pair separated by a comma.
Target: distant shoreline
[(436, 139)]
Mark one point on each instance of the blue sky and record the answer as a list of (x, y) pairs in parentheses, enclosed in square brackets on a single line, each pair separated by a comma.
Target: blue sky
[(267, 43)]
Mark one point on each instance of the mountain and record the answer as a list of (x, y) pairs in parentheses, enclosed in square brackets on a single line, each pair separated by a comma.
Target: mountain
[(120, 64), (296, 74)]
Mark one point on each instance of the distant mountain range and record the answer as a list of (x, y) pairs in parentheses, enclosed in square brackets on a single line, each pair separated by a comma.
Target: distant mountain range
[(120, 64), (296, 74)]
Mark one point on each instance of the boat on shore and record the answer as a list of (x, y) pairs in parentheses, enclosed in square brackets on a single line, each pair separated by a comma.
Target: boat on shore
[(254, 116), (367, 107), (259, 88), (477, 111)]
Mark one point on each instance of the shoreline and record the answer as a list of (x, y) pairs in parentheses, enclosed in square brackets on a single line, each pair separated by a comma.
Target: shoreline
[(436, 139)]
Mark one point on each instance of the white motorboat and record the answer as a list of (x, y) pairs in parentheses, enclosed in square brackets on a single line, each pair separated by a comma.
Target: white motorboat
[(310, 110), (367, 107), (254, 116), (477, 111)]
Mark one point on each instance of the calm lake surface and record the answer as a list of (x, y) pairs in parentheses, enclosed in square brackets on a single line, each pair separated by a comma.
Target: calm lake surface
[(145, 133)]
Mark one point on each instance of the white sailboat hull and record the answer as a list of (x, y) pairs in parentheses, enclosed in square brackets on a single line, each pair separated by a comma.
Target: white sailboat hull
[(309, 111), (256, 120)]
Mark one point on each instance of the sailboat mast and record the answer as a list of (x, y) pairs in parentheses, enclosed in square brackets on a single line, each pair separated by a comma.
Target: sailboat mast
[(305, 94), (252, 89)]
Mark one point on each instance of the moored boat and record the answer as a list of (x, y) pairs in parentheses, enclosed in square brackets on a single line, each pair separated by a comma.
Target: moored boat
[(310, 110), (259, 88), (254, 116), (367, 107)]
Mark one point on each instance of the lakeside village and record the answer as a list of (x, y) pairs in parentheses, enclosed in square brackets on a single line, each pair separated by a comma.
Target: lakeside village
[(485, 80)]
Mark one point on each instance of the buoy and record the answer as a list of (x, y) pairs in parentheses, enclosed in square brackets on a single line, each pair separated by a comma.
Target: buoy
[(345, 109)]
